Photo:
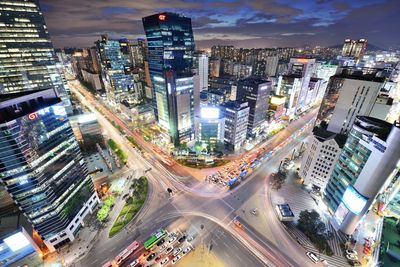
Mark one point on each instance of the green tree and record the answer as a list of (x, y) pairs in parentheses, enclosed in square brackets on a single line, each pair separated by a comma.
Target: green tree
[(310, 223)]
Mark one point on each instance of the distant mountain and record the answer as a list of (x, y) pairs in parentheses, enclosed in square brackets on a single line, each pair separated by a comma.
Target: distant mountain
[(370, 47)]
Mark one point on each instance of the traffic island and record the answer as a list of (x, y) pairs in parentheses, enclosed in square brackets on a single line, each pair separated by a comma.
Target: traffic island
[(133, 205)]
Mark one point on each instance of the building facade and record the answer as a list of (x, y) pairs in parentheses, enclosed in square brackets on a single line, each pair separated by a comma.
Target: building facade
[(201, 66), (349, 94), (368, 159), (42, 167), (256, 93), (320, 157), (28, 60), (170, 56), (236, 115), (354, 48), (210, 126)]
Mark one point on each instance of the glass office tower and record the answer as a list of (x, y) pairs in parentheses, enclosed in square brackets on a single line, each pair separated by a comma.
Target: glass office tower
[(42, 167), (27, 57), (170, 55)]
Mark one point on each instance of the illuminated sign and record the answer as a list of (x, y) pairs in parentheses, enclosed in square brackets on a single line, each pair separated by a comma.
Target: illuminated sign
[(353, 200), (87, 118), (277, 100), (162, 17), (209, 113), (59, 111), (17, 241), (33, 116)]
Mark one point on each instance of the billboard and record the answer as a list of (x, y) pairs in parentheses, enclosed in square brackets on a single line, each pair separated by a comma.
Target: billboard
[(354, 201), (14, 247), (209, 113)]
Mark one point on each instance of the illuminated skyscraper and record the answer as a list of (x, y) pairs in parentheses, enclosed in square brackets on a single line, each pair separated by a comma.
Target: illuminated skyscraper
[(256, 93), (42, 167), (354, 48), (368, 159), (170, 56), (27, 57)]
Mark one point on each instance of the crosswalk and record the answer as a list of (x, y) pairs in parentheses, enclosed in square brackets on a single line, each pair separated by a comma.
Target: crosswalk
[(335, 260), (300, 200)]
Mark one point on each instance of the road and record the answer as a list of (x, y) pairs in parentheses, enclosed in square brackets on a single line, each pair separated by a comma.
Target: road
[(271, 245)]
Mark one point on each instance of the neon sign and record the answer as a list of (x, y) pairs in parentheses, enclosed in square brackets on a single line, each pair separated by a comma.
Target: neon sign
[(33, 116), (162, 17)]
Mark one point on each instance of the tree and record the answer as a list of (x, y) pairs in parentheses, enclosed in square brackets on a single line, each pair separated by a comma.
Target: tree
[(310, 223)]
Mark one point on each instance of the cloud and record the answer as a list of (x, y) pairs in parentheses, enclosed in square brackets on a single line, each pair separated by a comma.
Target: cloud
[(249, 23)]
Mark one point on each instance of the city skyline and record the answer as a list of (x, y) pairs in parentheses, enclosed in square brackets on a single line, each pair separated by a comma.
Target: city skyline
[(246, 24)]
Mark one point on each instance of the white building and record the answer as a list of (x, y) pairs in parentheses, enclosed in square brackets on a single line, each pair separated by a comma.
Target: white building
[(321, 155), (201, 65), (350, 94), (210, 126), (271, 66), (236, 115)]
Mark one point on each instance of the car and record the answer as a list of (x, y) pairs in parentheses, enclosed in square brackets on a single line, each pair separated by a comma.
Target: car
[(172, 240), (351, 252), (159, 258), (354, 263), (352, 257), (151, 256), (164, 261), (189, 238), (177, 251), (169, 249), (176, 259), (254, 212), (238, 224), (163, 247), (312, 257), (186, 250), (159, 243), (172, 234), (134, 263), (181, 239)]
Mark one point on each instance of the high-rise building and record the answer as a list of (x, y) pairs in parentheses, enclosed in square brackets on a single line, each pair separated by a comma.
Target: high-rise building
[(305, 67), (349, 94), (256, 92), (271, 66), (223, 51), (201, 66), (214, 67), (137, 53), (170, 55), (354, 48), (42, 167), (210, 126), (368, 158), (27, 57), (320, 157), (236, 115), (290, 87)]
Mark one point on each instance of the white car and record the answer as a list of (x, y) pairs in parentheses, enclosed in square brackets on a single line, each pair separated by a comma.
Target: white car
[(189, 238), (352, 257), (164, 261), (176, 259), (134, 263), (177, 251), (172, 240), (312, 257), (351, 252), (186, 250)]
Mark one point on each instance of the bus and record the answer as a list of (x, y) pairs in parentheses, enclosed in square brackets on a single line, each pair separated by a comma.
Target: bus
[(154, 238), (126, 252)]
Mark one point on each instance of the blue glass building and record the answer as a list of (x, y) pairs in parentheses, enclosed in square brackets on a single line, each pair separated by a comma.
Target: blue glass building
[(42, 167), (170, 56)]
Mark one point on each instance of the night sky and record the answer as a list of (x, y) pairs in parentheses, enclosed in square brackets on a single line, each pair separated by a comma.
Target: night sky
[(247, 23)]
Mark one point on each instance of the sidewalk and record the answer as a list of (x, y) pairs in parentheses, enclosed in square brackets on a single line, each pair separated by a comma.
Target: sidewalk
[(88, 234)]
